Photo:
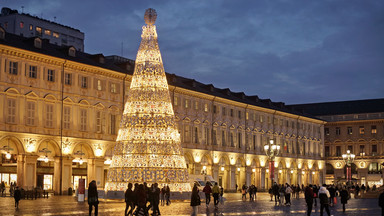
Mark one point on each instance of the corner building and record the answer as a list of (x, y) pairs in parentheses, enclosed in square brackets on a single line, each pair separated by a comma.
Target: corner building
[(60, 112)]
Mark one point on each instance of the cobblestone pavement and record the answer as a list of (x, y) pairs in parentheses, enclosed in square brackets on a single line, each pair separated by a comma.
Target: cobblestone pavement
[(65, 205)]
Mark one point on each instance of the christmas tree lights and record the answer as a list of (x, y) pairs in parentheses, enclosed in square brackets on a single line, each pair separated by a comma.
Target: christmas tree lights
[(148, 147)]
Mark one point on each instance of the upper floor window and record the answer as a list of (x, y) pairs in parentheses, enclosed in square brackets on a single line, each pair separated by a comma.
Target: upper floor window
[(38, 30), (196, 105), (205, 107), (31, 110), (32, 72), (55, 35), (67, 117), (338, 151), (350, 148), (83, 119), (361, 130), (261, 118), (246, 115), (337, 130), (175, 101), (362, 151), (30, 27), (68, 79), (187, 134), (47, 32), (98, 121), (223, 142), (231, 139), (326, 131), (254, 142), (113, 124), (84, 82), (223, 111), (49, 116), (195, 135), (113, 88), (186, 103), (239, 114), (214, 137), (373, 129), (374, 150), (11, 111), (349, 130), (231, 113), (214, 109), (13, 68), (327, 153), (51, 75), (239, 140)]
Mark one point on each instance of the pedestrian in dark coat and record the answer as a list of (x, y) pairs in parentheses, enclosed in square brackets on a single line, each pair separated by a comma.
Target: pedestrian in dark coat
[(344, 196), (308, 193), (156, 199), (141, 196), (195, 200), (207, 191), (129, 197), (17, 196), (93, 199), (275, 191), (381, 202)]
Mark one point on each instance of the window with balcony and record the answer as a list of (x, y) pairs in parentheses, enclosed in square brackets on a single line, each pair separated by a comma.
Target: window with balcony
[(374, 150), (327, 152), (362, 150), (375, 168), (350, 148), (338, 151)]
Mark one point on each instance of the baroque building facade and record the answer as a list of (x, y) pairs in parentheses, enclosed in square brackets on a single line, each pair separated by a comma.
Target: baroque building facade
[(60, 112), (357, 126)]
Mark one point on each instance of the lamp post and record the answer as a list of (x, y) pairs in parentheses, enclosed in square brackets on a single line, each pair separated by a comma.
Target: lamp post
[(348, 159), (271, 150)]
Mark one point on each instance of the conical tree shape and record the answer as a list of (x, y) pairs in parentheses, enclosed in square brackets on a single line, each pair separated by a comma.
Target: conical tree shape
[(148, 147)]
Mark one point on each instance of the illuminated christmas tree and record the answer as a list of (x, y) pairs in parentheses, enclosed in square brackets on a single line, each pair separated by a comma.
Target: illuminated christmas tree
[(148, 147)]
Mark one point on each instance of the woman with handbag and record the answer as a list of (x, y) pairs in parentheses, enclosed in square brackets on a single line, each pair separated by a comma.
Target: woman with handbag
[(195, 200), (93, 198)]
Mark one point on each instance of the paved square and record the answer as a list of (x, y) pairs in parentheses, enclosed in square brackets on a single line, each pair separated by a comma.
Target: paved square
[(65, 205)]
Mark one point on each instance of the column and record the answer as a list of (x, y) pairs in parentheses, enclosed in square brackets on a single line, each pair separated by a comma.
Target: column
[(232, 178), (20, 170), (95, 171), (299, 177), (288, 176), (30, 168), (66, 178), (215, 172), (262, 178), (243, 176), (310, 175), (248, 175)]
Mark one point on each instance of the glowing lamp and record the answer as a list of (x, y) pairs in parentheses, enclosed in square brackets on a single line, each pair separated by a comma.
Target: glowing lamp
[(46, 159), (204, 167), (238, 169), (222, 168), (253, 170), (292, 171), (8, 155), (81, 161), (267, 170), (280, 171), (303, 172), (99, 152), (313, 173)]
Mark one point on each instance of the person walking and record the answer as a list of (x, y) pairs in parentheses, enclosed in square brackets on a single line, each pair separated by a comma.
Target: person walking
[(207, 191), (344, 196), (216, 193), (381, 202), (162, 195), (275, 191), (288, 191), (156, 199), (315, 194), (324, 200), (93, 199), (308, 193), (129, 196), (17, 196), (195, 200), (168, 195), (244, 192), (141, 197), (332, 193), (282, 194), (2, 188)]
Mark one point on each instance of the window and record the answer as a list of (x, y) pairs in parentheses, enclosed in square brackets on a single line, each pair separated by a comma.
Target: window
[(373, 129), (32, 72), (361, 129), (186, 134), (326, 131), (214, 137), (30, 27), (68, 79), (113, 88), (98, 121), (337, 130), (21, 24), (374, 168), (231, 139), (246, 115), (231, 113), (223, 143), (49, 116), (261, 118), (349, 130), (38, 30), (51, 75), (175, 101), (374, 150), (13, 68), (338, 151), (254, 142), (83, 119), (31, 110), (350, 148), (223, 111), (55, 35), (239, 140), (84, 82), (327, 151), (67, 118), (269, 120), (11, 111), (205, 107), (47, 32), (362, 151), (113, 124), (239, 114), (207, 136), (214, 109), (186, 103), (196, 105), (196, 135)]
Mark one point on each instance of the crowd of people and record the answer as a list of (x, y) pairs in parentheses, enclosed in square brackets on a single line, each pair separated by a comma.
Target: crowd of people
[(216, 191)]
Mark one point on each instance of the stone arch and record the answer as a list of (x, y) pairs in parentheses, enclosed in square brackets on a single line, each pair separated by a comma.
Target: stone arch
[(50, 97), (255, 163), (224, 161), (14, 143), (84, 102), (240, 162), (329, 169), (85, 148), (68, 100), (188, 158), (51, 145), (32, 94), (207, 158), (11, 90)]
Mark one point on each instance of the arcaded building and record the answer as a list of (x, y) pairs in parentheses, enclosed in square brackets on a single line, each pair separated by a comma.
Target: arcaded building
[(357, 126), (60, 111)]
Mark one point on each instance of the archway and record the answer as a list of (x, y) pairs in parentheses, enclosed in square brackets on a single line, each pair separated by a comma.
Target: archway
[(10, 149), (46, 152), (81, 153), (189, 162), (224, 177)]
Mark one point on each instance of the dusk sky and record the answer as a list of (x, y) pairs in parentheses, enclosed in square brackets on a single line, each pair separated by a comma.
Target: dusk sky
[(289, 51)]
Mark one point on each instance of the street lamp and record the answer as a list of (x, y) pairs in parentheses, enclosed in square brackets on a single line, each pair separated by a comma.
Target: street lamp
[(271, 150), (348, 159)]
